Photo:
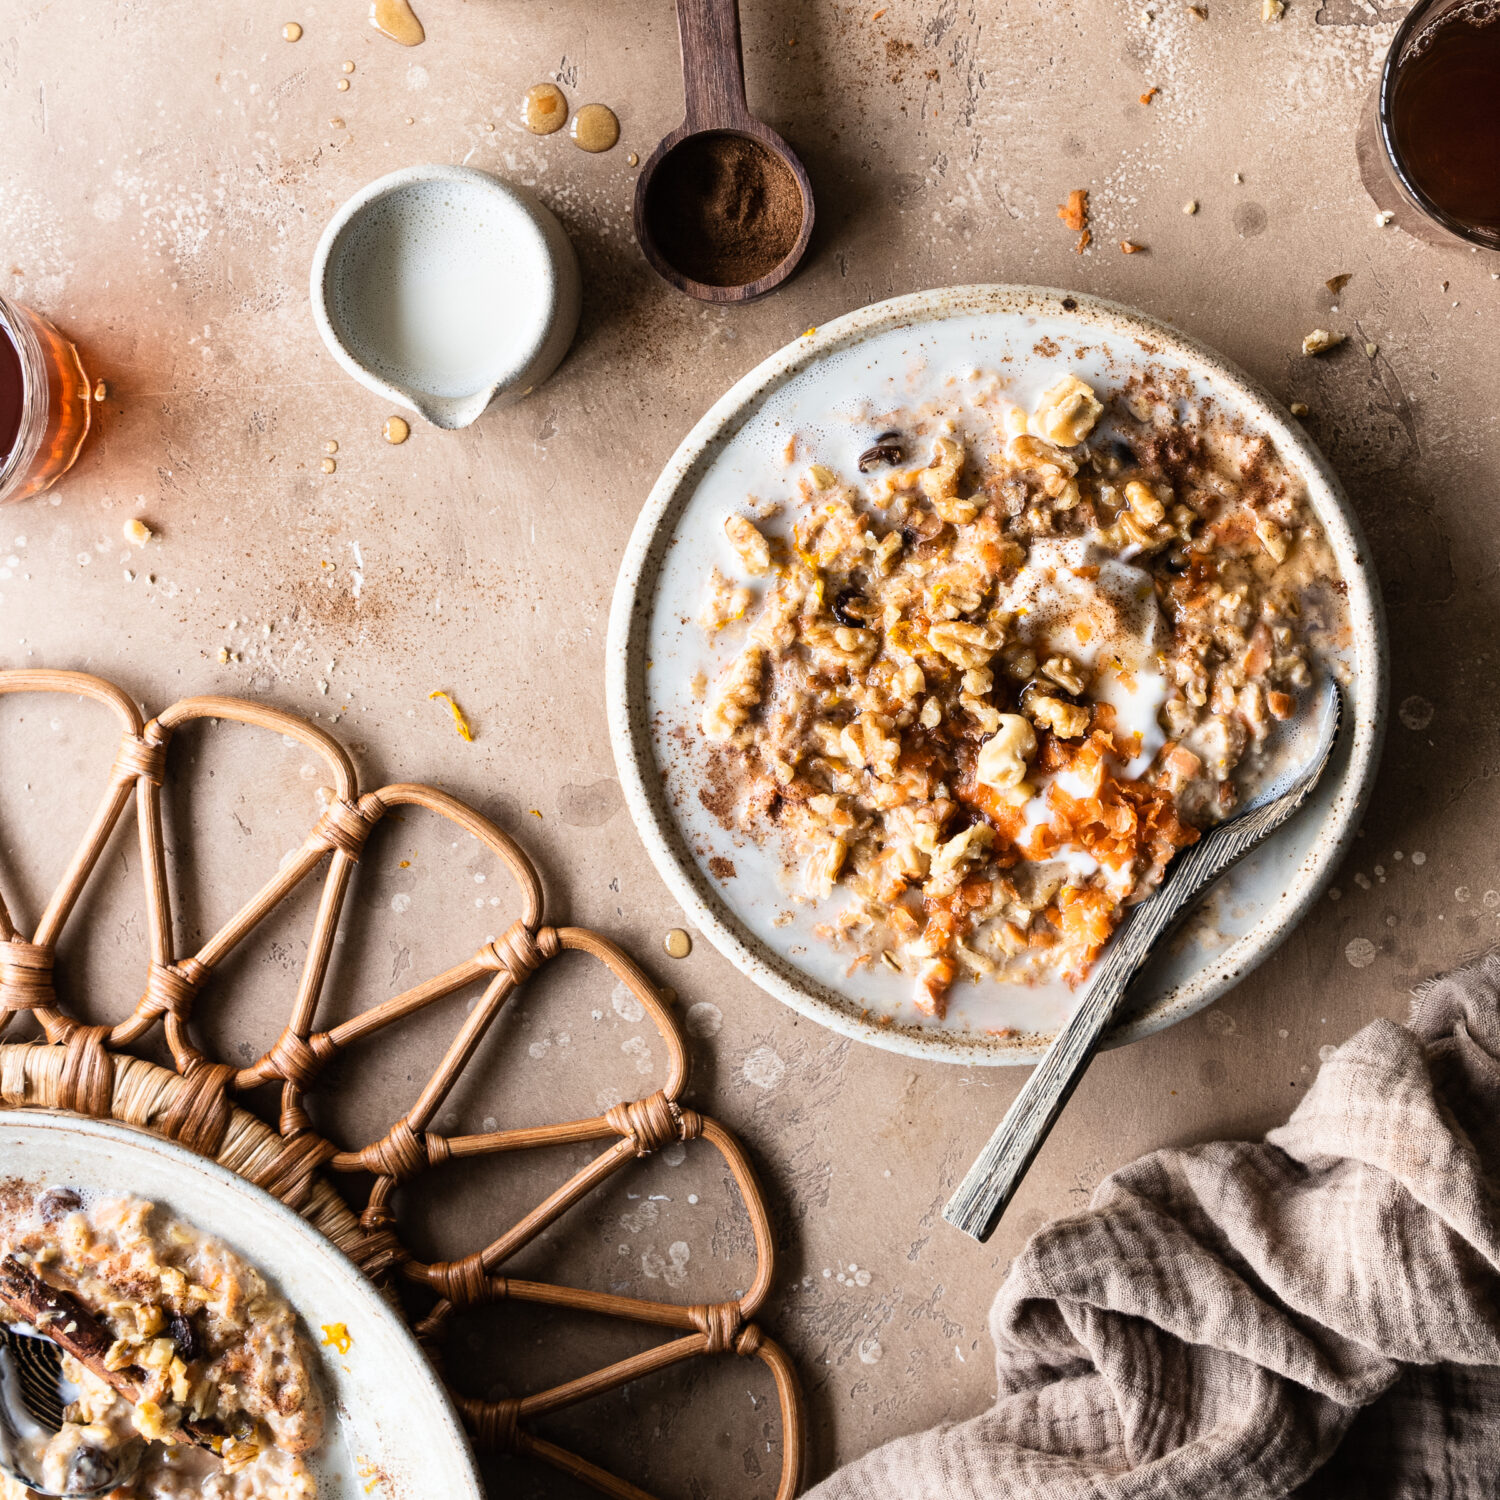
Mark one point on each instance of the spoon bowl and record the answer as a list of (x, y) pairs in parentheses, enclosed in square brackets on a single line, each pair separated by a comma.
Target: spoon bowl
[(33, 1399), (713, 75)]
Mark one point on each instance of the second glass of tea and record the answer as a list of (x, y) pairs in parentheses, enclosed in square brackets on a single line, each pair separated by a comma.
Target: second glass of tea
[(1436, 135), (44, 403)]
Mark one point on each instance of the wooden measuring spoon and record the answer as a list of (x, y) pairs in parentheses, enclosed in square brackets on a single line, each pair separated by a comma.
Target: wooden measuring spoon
[(713, 79)]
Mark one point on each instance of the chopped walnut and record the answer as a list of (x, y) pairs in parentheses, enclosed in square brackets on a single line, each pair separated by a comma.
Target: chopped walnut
[(752, 547)]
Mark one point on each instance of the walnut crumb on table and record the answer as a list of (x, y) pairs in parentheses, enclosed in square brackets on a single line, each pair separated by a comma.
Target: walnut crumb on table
[(1320, 341), (1129, 247)]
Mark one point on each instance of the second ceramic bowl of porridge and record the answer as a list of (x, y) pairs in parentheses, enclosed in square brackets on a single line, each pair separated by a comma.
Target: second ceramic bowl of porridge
[(947, 626)]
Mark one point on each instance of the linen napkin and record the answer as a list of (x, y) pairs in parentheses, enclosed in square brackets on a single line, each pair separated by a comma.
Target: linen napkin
[(1317, 1314)]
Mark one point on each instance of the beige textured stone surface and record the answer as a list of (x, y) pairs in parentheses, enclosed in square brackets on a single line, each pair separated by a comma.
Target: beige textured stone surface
[(166, 170)]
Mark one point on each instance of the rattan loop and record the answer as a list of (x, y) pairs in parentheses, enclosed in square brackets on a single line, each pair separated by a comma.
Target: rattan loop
[(495, 1423), (25, 975), (139, 758), (200, 1112), (463, 1282), (719, 1323), (294, 1059), (86, 1084), (518, 952), (402, 1153), (343, 826), (749, 1341), (653, 1122), (171, 989)]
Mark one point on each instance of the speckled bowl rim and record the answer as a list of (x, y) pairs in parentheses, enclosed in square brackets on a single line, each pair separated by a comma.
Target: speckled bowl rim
[(443, 1430), (630, 734)]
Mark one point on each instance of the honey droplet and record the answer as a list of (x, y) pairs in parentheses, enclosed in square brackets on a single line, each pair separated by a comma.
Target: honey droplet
[(397, 20), (292, 31), (342, 85), (595, 127), (329, 465), (677, 943), (330, 446), (348, 67), (544, 108), (397, 430), (632, 160)]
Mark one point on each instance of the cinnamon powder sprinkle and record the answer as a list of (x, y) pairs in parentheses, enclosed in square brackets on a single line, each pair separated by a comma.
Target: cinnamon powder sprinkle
[(1075, 214)]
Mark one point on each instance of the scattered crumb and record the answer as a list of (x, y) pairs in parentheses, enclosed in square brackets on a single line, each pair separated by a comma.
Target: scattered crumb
[(1384, 217), (1129, 247), (1150, 94), (1200, 11), (1336, 284), (137, 532), (1298, 408), (1371, 350), (100, 390), (1075, 214), (223, 656), (534, 813), (460, 723), (1320, 341), (1239, 177), (1272, 10), (1191, 206), (878, 14)]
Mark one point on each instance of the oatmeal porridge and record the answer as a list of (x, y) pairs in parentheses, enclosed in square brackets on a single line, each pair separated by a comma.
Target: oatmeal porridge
[(220, 1376), (983, 681)]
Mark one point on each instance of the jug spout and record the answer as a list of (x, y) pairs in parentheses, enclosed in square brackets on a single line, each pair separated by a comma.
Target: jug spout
[(451, 412)]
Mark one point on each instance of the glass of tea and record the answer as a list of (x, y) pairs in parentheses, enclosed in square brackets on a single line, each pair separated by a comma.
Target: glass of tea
[(44, 403), (1438, 113)]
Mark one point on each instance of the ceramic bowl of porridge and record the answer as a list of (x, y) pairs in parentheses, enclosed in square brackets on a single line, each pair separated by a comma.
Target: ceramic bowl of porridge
[(218, 1347), (948, 627)]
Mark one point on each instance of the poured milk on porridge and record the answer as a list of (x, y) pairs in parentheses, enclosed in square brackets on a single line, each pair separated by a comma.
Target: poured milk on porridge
[(976, 677), (202, 1339)]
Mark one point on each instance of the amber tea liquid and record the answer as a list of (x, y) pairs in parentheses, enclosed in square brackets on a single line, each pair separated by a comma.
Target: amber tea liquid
[(45, 406), (12, 395), (1445, 114)]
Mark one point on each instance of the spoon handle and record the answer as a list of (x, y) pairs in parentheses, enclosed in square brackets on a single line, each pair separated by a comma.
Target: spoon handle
[(713, 65)]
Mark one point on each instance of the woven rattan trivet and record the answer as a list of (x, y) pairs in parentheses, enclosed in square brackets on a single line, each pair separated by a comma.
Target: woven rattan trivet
[(86, 1069)]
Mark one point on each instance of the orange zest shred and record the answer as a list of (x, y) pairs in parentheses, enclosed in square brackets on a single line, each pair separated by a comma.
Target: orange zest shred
[(460, 723), (1075, 214), (337, 1336)]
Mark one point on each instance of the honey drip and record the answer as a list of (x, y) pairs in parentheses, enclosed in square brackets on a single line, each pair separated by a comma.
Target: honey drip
[(595, 127), (544, 108), (397, 20)]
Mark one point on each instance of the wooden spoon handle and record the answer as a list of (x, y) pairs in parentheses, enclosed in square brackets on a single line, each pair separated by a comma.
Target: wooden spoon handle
[(713, 65)]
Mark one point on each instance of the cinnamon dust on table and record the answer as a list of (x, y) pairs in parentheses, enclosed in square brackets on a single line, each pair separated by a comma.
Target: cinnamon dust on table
[(724, 209), (1075, 214)]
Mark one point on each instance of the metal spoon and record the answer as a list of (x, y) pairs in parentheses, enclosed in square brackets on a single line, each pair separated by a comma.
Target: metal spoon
[(713, 82), (983, 1195), (32, 1404)]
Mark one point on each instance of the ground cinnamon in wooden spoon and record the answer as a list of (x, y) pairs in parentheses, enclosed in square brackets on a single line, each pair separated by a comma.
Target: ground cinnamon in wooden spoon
[(724, 209)]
